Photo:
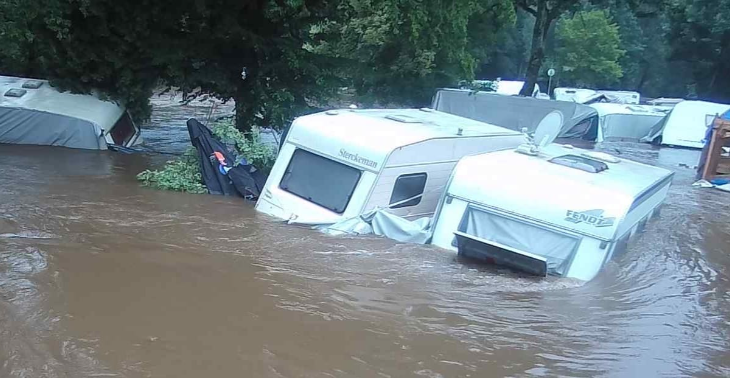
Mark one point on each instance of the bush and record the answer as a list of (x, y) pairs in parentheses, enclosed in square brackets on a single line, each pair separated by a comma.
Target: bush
[(183, 174)]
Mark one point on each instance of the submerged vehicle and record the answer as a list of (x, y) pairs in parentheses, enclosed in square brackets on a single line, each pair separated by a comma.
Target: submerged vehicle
[(33, 112), (686, 125), (560, 210), (339, 164), (626, 123), (517, 113)]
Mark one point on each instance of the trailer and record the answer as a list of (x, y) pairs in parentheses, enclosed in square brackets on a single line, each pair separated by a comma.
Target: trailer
[(562, 211), (34, 112), (619, 122), (339, 164)]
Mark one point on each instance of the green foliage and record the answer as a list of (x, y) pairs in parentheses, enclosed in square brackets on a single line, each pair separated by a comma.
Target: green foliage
[(399, 51), (249, 145), (180, 175), (183, 174), (699, 37), (589, 49)]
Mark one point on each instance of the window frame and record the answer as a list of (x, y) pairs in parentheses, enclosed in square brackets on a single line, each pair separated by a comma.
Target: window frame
[(407, 203), (349, 195)]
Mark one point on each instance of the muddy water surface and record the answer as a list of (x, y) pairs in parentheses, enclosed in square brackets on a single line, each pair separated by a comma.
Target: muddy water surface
[(100, 277)]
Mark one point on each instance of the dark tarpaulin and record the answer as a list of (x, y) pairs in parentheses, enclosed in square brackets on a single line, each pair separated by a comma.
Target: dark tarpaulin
[(220, 175)]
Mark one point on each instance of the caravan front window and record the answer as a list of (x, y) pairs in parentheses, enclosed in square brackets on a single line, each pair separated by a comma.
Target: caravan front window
[(557, 248), (320, 180)]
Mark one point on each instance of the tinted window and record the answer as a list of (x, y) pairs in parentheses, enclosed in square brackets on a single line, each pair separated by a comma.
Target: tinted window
[(123, 131), (408, 186), (322, 181)]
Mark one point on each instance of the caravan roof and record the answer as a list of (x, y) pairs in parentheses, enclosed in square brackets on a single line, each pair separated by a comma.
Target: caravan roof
[(34, 112), (545, 191), (49, 99), (515, 112), (367, 137)]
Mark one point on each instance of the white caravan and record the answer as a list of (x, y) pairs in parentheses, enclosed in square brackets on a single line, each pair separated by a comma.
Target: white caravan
[(686, 125), (621, 97), (564, 211), (33, 112), (339, 164), (619, 122)]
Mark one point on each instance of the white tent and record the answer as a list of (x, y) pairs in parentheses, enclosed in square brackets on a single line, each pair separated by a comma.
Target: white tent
[(686, 125)]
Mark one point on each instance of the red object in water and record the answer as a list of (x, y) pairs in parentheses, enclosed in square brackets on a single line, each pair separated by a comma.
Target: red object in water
[(220, 157)]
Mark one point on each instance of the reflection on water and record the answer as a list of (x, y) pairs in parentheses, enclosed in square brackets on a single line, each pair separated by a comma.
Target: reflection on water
[(100, 277)]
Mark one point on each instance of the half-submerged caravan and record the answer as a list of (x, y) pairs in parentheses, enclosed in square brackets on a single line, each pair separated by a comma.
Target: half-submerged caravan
[(340, 164), (33, 112), (554, 210)]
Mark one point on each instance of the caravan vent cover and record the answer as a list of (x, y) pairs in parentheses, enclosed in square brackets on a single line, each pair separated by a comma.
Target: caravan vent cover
[(15, 92), (403, 118), (32, 84), (580, 162)]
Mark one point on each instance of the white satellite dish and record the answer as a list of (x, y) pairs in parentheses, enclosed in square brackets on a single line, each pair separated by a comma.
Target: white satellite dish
[(548, 129)]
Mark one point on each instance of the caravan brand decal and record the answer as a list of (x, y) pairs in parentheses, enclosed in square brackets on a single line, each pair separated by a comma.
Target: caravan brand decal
[(592, 217), (357, 158)]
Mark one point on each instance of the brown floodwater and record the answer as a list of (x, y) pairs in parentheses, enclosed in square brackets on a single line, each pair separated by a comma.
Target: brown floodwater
[(100, 277)]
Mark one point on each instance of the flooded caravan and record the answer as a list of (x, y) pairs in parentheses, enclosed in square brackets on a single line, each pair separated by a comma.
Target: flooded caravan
[(626, 123), (562, 211), (33, 112), (339, 164)]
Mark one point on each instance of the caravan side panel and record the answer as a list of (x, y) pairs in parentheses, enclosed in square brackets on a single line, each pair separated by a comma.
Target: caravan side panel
[(451, 149), (437, 176)]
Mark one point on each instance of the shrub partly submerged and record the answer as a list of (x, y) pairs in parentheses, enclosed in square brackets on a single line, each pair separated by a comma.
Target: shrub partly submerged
[(183, 174)]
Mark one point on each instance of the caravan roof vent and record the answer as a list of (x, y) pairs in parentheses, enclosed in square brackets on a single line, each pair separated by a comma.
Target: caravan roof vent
[(15, 92), (402, 118), (32, 84), (580, 162), (332, 112)]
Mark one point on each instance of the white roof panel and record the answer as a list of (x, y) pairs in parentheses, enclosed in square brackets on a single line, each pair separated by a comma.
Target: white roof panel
[(371, 135), (48, 99), (532, 187)]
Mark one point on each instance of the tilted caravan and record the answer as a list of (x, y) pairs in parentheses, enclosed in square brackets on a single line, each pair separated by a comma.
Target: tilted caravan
[(563, 212), (34, 112), (339, 164)]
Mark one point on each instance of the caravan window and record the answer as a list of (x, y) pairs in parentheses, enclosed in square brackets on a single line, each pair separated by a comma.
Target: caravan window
[(320, 180), (408, 186), (557, 248)]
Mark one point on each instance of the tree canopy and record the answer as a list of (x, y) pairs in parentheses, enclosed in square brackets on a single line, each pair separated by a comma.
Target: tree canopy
[(589, 49), (280, 58)]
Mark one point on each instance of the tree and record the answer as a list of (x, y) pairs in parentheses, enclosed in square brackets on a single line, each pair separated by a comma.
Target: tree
[(700, 37), (399, 51), (589, 49), (545, 13)]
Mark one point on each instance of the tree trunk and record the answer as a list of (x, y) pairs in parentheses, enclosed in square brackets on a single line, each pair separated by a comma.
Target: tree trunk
[(243, 109), (537, 49)]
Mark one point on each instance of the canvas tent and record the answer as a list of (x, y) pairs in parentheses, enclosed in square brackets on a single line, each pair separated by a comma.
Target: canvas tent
[(580, 121), (686, 125), (33, 112)]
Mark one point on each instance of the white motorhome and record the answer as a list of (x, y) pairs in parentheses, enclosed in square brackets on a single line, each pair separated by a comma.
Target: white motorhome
[(579, 95), (686, 124), (619, 122), (564, 211), (33, 112), (339, 164)]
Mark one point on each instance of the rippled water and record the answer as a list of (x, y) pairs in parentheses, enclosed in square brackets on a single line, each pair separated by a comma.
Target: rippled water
[(100, 277)]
